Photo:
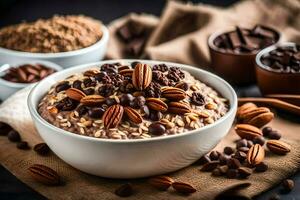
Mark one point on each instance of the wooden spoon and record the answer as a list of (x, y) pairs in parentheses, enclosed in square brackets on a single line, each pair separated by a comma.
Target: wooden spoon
[(290, 98), (276, 103)]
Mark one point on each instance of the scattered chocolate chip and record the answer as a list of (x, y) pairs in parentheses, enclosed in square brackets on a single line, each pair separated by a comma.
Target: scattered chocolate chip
[(96, 112), (241, 143), (261, 167), (240, 155), (77, 84), (288, 185), (228, 150), (14, 136), (4, 128), (139, 101), (157, 128), (259, 140), (198, 99), (23, 145), (214, 155), (89, 91), (210, 166), (155, 115), (244, 172), (203, 160), (233, 163), (126, 99), (41, 149), (82, 110), (62, 86), (66, 104), (274, 135), (124, 190), (106, 90), (110, 101)]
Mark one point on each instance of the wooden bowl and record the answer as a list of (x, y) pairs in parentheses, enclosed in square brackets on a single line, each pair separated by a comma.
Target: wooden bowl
[(270, 82)]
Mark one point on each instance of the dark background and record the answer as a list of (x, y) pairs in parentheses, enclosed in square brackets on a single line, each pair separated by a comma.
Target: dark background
[(16, 11)]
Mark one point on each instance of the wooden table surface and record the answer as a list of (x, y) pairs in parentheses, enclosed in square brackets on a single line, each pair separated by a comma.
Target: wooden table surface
[(13, 11)]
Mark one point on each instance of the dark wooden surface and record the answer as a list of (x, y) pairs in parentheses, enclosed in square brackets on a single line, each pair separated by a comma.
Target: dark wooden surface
[(14, 11)]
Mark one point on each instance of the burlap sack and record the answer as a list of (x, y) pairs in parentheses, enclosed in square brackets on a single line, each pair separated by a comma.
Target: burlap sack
[(183, 29), (79, 185)]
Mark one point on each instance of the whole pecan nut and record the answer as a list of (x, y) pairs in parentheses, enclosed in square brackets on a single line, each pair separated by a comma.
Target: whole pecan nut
[(178, 108), (113, 116), (44, 174), (75, 94), (161, 182), (278, 147), (247, 131), (92, 100), (173, 93), (183, 188), (133, 115), (141, 76), (256, 154), (156, 104)]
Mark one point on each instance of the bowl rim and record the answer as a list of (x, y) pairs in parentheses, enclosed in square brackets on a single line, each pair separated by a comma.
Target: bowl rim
[(214, 35), (36, 116), (266, 50), (103, 39), (18, 64)]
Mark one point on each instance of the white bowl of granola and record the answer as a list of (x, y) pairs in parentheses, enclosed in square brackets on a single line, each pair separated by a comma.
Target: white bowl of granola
[(161, 123)]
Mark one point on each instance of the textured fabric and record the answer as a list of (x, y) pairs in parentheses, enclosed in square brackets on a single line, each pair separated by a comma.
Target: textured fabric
[(83, 186), (186, 28)]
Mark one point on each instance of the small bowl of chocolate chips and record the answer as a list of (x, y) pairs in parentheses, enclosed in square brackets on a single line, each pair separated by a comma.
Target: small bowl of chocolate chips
[(278, 69), (233, 52), (19, 75)]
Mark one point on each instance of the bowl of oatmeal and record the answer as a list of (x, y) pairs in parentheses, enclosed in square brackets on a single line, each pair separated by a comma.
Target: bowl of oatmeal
[(102, 117), (65, 40)]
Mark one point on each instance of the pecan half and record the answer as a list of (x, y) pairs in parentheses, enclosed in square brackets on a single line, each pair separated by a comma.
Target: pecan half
[(44, 174), (113, 116), (92, 100), (262, 119), (75, 94), (156, 104), (141, 76), (256, 154), (161, 182), (126, 72), (133, 115), (178, 108), (247, 131), (183, 188), (245, 108), (173, 93), (278, 147)]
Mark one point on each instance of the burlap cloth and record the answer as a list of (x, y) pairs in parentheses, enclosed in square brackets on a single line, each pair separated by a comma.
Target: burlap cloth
[(180, 35)]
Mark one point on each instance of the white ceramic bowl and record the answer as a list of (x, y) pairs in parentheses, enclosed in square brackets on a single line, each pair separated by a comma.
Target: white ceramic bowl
[(136, 157), (89, 54), (8, 88)]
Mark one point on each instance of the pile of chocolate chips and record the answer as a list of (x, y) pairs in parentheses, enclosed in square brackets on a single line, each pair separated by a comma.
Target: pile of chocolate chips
[(243, 40), (28, 73), (283, 59)]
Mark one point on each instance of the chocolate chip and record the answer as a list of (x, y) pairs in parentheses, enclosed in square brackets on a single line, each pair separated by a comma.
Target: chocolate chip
[(160, 67), (23, 145), (109, 69), (207, 167), (106, 90), (240, 155), (62, 86), (241, 143), (198, 99), (266, 131), (223, 159), (66, 104), (77, 84), (244, 172), (157, 128), (232, 173), (82, 110), (14, 136), (4, 128), (96, 112), (288, 185), (139, 101), (233, 163), (110, 101), (228, 150), (88, 82), (203, 160), (214, 155), (275, 135), (261, 167), (145, 112), (41, 149), (89, 91), (259, 140), (126, 99), (155, 115), (125, 190)]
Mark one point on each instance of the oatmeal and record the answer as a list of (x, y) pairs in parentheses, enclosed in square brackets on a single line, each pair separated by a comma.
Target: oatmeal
[(57, 34), (117, 101)]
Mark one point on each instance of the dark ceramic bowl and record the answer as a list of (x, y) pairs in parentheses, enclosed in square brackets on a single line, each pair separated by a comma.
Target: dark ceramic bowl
[(272, 82), (238, 69)]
